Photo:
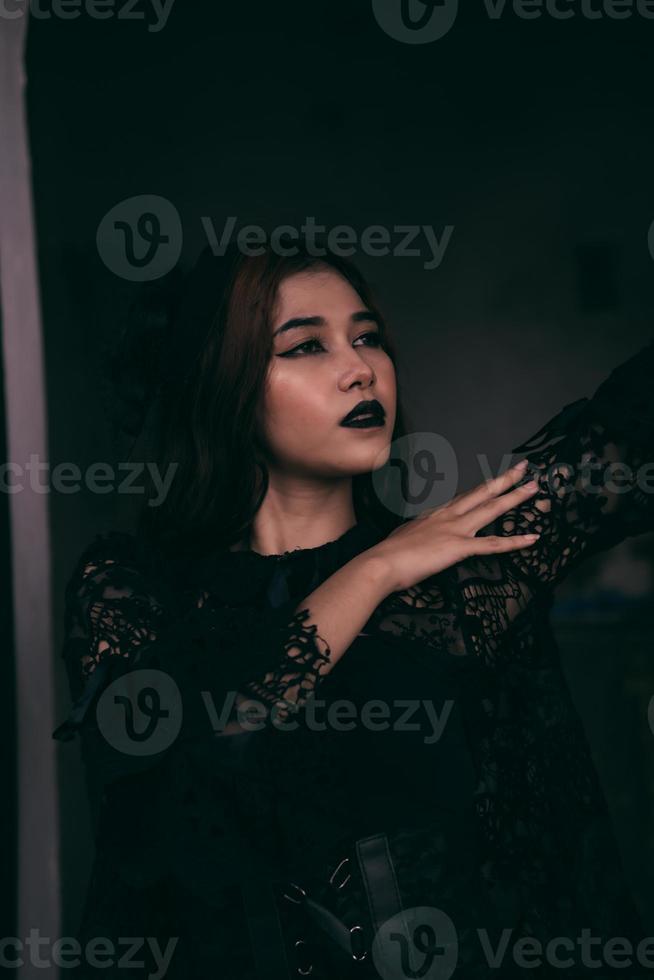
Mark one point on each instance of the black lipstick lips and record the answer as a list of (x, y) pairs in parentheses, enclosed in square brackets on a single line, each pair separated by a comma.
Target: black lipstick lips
[(365, 414)]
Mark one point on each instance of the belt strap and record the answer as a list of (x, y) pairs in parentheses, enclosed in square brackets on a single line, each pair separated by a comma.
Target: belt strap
[(379, 879), (332, 925)]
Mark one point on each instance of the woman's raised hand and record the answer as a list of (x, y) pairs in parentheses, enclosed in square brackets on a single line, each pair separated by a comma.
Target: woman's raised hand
[(442, 536)]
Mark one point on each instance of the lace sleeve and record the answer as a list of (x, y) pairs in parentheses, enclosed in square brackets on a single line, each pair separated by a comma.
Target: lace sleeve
[(596, 487), (188, 670), (596, 483)]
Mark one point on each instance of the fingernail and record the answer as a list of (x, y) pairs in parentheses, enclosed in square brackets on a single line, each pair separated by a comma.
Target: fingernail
[(521, 464), (532, 485)]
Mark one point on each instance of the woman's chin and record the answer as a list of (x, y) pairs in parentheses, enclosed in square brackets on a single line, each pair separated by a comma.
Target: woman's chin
[(366, 458)]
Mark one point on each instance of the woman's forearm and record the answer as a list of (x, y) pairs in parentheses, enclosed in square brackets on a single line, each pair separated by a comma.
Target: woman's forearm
[(344, 603), (338, 609)]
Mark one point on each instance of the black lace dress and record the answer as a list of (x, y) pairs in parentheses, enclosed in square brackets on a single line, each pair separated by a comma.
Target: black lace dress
[(454, 735)]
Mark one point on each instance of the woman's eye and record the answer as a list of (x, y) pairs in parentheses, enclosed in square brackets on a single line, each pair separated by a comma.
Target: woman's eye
[(373, 336), (307, 343), (309, 346)]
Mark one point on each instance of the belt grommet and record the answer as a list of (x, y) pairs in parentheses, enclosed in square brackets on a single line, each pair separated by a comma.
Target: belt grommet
[(335, 872), (303, 973), (361, 955), (301, 891)]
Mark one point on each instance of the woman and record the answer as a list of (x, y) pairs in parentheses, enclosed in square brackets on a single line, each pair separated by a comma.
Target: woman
[(322, 739)]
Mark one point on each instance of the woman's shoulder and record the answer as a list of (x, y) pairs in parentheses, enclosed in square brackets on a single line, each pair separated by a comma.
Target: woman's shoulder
[(112, 547), (110, 543), (114, 556), (126, 560)]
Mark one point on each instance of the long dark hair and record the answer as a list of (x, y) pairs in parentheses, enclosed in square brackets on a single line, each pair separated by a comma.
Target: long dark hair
[(205, 415)]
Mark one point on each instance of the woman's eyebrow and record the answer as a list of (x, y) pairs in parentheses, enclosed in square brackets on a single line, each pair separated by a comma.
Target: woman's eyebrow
[(319, 321)]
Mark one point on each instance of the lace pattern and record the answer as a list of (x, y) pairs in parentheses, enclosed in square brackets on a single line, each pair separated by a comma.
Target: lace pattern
[(295, 679), (112, 613), (117, 608)]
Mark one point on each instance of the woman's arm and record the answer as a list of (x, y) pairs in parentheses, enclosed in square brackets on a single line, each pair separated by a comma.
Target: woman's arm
[(335, 611), (594, 463), (596, 483), (118, 620)]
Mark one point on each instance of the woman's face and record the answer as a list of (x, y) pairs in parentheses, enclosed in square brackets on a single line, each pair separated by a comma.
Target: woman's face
[(326, 358)]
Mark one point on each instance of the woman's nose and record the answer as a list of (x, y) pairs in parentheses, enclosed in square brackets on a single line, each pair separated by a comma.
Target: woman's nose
[(358, 370)]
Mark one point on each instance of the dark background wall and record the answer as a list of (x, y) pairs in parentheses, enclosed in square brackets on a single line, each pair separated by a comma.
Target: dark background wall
[(530, 137)]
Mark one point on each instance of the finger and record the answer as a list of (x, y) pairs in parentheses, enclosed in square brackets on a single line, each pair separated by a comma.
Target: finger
[(485, 513), (496, 543), (489, 488)]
